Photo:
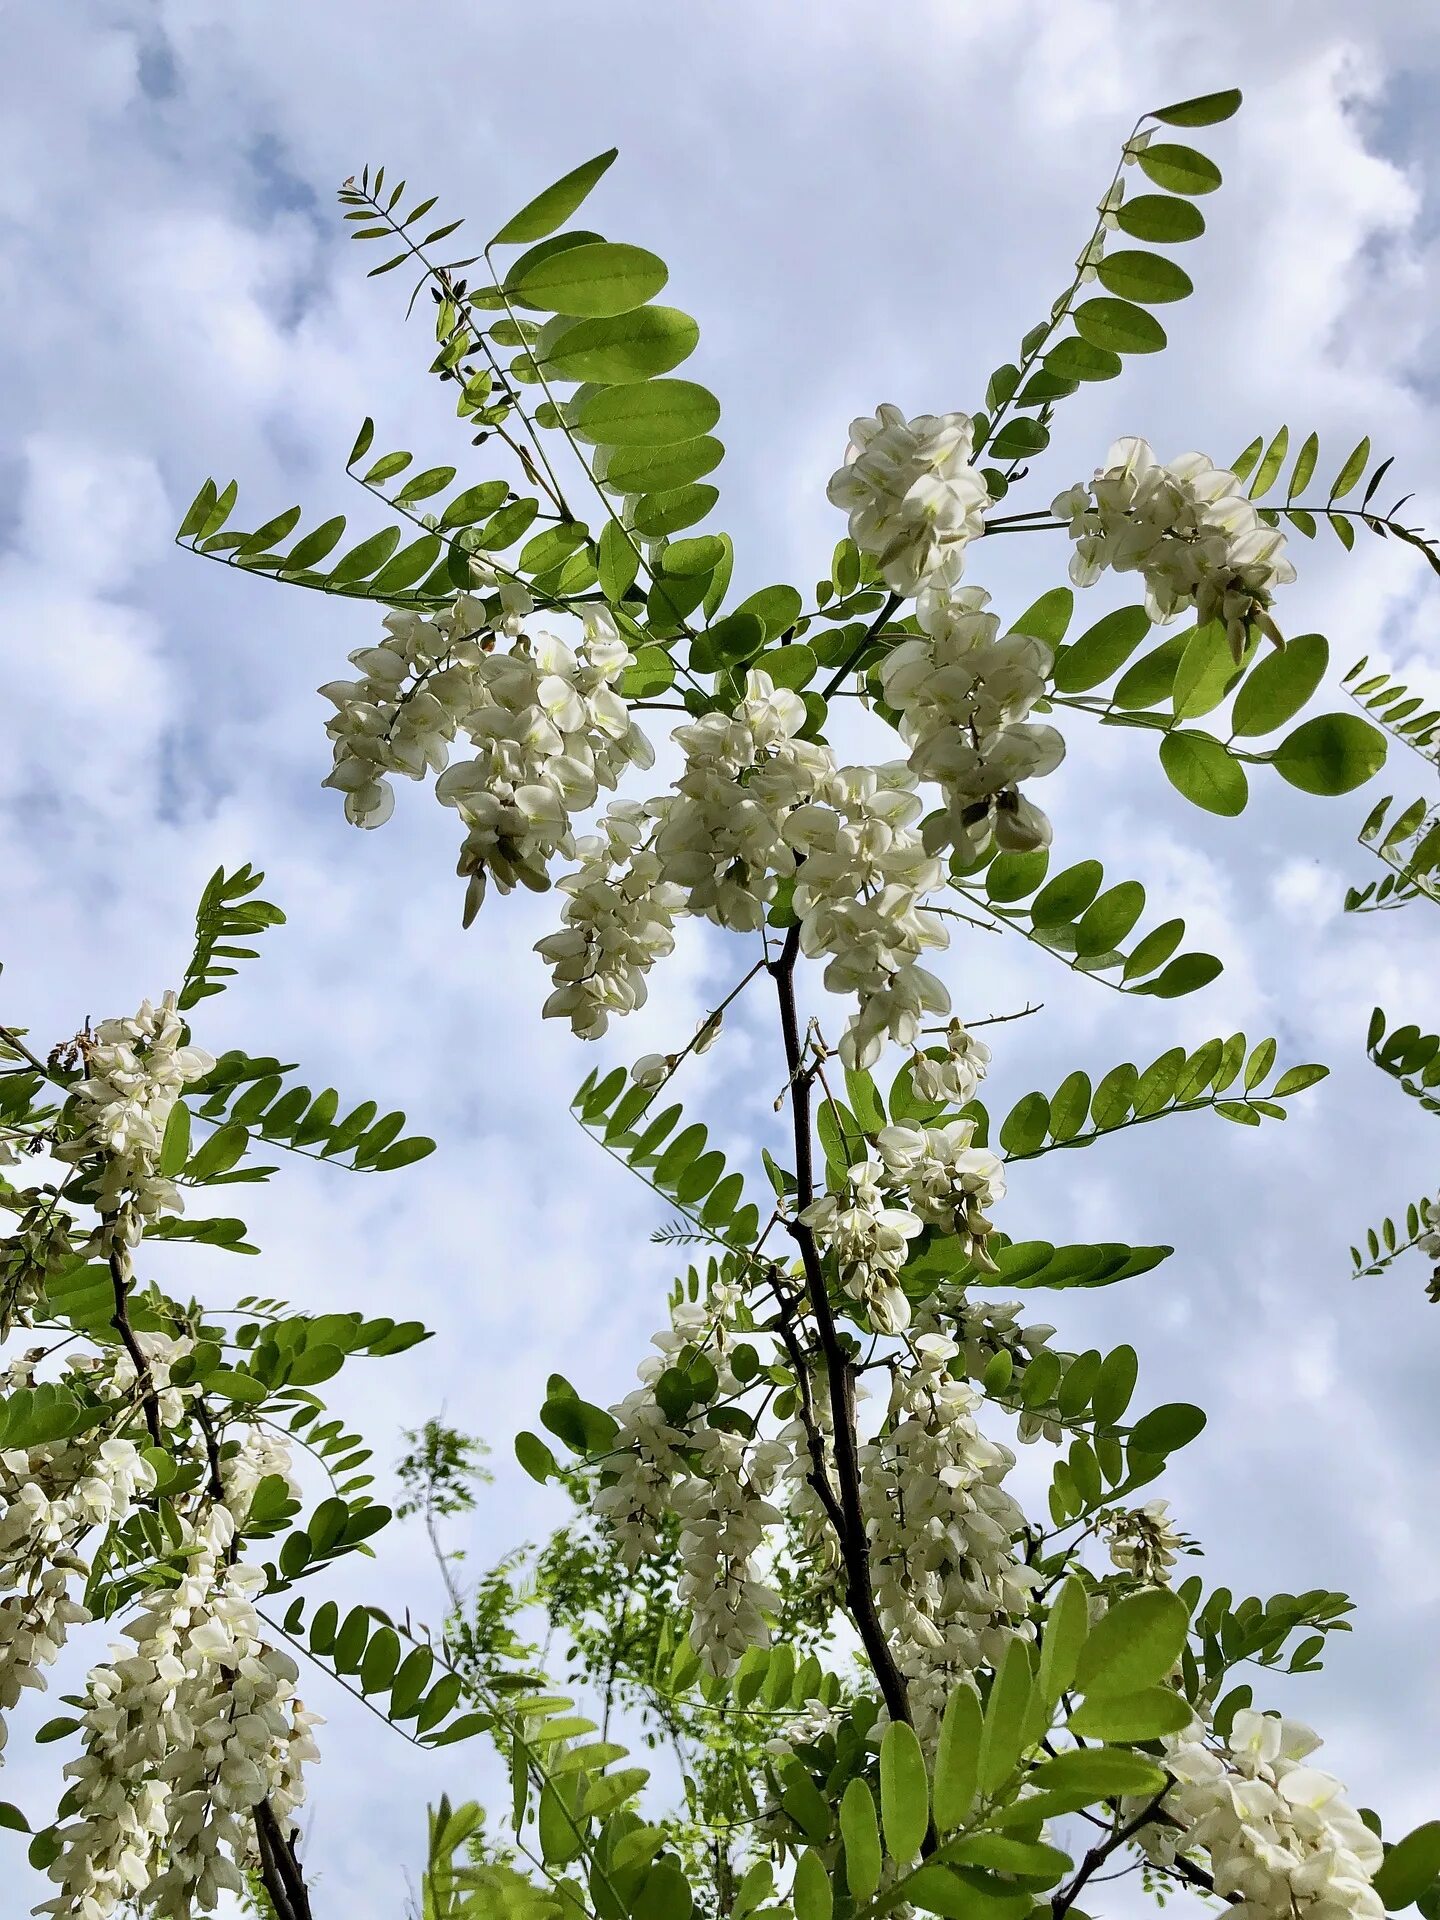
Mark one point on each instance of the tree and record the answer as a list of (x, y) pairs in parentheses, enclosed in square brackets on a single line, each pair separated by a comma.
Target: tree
[(805, 1463)]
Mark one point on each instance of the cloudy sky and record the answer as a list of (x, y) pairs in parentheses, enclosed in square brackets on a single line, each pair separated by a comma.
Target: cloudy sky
[(860, 204)]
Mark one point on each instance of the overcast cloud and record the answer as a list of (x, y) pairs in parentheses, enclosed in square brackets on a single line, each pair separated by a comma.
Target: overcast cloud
[(859, 203)]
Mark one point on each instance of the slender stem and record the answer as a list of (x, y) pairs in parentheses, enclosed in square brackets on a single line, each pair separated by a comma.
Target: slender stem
[(12, 1039), (120, 1321), (1101, 1851), (280, 1866), (853, 1548), (892, 601)]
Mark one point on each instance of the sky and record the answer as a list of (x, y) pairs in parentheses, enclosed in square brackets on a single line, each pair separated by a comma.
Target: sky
[(859, 204)]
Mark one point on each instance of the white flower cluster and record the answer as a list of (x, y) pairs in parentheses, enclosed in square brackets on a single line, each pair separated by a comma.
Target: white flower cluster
[(756, 804), (135, 1072), (619, 919), (717, 1483), (547, 723), (949, 1588), (51, 1497), (955, 1079), (258, 1453), (984, 1328), (869, 1238), (949, 1181), (1188, 527), (1282, 1840), (183, 1737), (913, 498), (861, 898), (725, 1509), (1144, 1541), (648, 1451), (962, 694)]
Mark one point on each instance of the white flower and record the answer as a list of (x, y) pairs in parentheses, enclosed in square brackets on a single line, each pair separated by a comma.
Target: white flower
[(1280, 1836), (1188, 528), (870, 1241), (962, 693), (912, 496), (954, 1079), (547, 724)]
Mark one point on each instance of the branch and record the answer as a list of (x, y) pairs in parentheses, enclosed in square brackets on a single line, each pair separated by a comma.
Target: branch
[(280, 1866), (1101, 1852), (853, 1549), (120, 1321)]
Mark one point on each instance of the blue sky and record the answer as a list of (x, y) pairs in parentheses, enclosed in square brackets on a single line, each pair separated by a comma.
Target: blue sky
[(858, 204)]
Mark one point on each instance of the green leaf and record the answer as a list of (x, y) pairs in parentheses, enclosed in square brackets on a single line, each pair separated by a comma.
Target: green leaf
[(1142, 1715), (1105, 924), (1151, 678), (1159, 217), (1206, 671), (553, 207), (665, 513), (1100, 1773), (1333, 753), (624, 347), (1166, 1429), (1145, 277), (1116, 1384), (1178, 169), (1203, 111), (1410, 1867), (1003, 1735), (1135, 1644), (1101, 650), (1026, 1125), (657, 469), (1065, 1633), (904, 1792), (12, 1818), (593, 281), (1351, 474), (957, 1758), (811, 1894), (1048, 618), (1066, 897), (1278, 685), (432, 480), (651, 413), (243, 1387), (367, 558), (619, 561), (1186, 974), (1013, 876), (1154, 949), (861, 1835), (1200, 768), (1120, 326), (1075, 359)]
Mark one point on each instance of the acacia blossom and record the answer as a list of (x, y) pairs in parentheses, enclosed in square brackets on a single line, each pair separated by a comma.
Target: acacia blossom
[(135, 1071), (949, 1588), (51, 1497), (1188, 528), (955, 1078), (1144, 1541), (547, 723), (1282, 1840), (182, 1737), (948, 1180), (913, 498), (962, 694), (869, 1238)]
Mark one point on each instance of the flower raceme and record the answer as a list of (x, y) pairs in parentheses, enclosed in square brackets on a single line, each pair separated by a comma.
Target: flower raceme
[(1188, 529), (1282, 1840), (913, 498)]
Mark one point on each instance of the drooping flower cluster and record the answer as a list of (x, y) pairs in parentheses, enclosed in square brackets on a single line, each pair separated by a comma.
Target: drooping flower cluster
[(725, 1511), (869, 1237), (1144, 1541), (757, 804), (949, 1587), (1282, 1840), (962, 694), (547, 724), (1188, 528), (949, 1181), (51, 1497), (718, 1483), (912, 496), (136, 1070), (183, 1737), (955, 1079)]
